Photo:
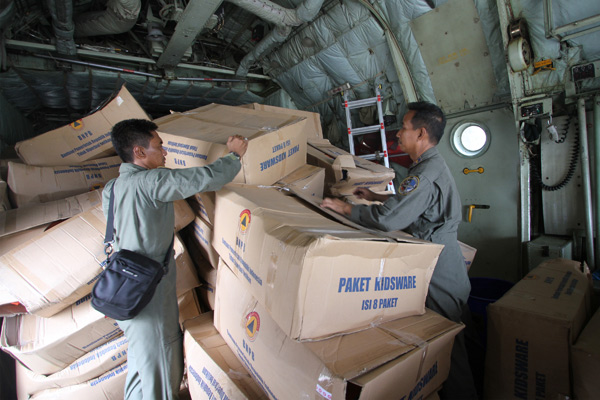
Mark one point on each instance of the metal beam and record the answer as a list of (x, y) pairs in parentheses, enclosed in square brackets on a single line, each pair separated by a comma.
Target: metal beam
[(193, 19)]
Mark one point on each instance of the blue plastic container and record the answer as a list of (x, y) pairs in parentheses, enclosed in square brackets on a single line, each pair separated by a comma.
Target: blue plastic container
[(484, 291)]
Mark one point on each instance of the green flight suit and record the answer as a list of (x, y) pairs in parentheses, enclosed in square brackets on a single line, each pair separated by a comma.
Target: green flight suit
[(428, 206), (144, 220)]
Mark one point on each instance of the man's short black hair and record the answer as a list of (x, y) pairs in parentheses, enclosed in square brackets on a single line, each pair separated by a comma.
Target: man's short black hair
[(130, 133), (430, 117)]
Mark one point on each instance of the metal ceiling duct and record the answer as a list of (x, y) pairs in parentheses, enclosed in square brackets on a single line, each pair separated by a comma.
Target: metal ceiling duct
[(119, 17), (284, 18), (62, 23)]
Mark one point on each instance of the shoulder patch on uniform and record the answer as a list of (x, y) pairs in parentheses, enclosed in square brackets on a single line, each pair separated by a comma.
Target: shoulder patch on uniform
[(409, 184)]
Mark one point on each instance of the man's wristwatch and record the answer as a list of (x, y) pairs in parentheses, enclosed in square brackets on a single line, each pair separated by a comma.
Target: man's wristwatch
[(235, 154)]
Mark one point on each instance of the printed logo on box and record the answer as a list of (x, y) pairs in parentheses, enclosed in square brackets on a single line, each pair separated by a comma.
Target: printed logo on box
[(77, 124), (252, 325), (245, 217)]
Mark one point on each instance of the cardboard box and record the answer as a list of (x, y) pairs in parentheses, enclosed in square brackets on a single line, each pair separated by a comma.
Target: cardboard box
[(401, 359), (468, 254), (345, 172), (187, 278), (316, 276), (276, 142), (48, 345), (10, 242), (20, 219), (188, 306), (29, 184), (89, 366), (307, 179), (208, 284), (50, 272), (585, 361), (203, 204), (213, 370), (199, 239), (313, 120), (53, 269), (184, 214), (85, 139), (530, 331), (109, 386), (4, 201)]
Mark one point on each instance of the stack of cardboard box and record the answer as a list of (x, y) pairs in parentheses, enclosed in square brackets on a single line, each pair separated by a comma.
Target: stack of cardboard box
[(306, 304), (65, 349), (309, 306)]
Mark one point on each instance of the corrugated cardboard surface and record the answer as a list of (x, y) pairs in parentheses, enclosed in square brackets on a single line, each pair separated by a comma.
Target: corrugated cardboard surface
[(199, 239), (316, 276), (82, 140), (187, 278), (29, 184), (50, 272), (188, 306), (203, 204), (585, 359), (276, 142), (17, 220), (345, 172), (407, 357), (307, 179), (89, 366), (109, 386), (212, 368), (531, 329), (48, 345), (313, 125)]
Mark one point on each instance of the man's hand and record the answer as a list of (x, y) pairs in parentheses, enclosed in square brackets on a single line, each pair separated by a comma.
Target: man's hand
[(337, 205), (237, 144), (368, 194)]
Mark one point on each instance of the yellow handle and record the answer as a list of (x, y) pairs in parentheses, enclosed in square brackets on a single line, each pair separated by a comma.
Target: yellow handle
[(468, 171), (474, 206)]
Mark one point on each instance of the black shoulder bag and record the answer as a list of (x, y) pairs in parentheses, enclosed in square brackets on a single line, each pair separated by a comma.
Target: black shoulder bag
[(129, 279)]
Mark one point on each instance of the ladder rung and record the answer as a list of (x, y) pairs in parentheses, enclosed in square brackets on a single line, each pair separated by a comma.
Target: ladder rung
[(364, 130), (361, 103)]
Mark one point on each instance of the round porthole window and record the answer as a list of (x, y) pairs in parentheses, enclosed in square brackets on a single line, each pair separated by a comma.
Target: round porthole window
[(470, 139)]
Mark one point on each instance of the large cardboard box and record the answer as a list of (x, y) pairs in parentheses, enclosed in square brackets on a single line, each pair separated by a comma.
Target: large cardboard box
[(345, 172), (108, 386), (276, 142), (89, 366), (401, 359), (82, 140), (188, 306), (203, 204), (316, 276), (48, 345), (313, 120), (53, 270), (213, 370), (187, 278), (20, 219), (208, 279), (29, 184), (530, 331), (199, 239), (585, 360)]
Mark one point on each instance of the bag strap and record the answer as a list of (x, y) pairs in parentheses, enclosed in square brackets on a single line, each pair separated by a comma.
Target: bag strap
[(109, 234)]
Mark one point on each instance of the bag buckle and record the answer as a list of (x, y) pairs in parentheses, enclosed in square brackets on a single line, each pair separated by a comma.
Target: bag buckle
[(108, 248)]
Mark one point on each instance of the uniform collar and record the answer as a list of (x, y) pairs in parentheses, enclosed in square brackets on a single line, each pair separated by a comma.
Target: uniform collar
[(425, 156), (129, 168)]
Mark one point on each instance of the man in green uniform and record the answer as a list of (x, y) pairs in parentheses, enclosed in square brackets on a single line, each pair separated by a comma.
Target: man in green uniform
[(428, 206), (144, 221)]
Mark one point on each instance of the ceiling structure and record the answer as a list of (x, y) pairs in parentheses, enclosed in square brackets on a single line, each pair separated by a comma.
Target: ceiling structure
[(62, 59)]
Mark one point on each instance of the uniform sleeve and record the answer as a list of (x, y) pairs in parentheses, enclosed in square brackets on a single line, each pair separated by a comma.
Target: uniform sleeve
[(176, 184), (399, 211)]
